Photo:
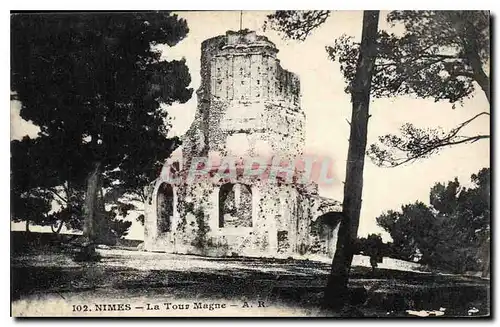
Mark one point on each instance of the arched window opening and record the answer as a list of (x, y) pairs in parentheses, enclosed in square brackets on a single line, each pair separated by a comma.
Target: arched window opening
[(165, 207), (235, 205)]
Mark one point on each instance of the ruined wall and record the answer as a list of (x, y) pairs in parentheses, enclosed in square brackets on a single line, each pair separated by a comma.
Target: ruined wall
[(247, 103), (248, 106), (275, 230), (284, 223)]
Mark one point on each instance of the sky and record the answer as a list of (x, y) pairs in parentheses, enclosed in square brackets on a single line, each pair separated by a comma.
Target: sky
[(327, 108)]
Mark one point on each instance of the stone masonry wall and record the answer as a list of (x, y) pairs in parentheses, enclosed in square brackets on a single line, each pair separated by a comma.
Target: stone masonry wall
[(248, 106)]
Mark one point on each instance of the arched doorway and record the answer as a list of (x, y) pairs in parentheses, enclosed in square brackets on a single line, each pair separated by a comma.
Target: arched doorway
[(324, 231), (235, 205), (165, 207)]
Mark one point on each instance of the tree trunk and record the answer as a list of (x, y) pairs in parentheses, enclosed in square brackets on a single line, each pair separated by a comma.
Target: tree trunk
[(471, 48), (27, 225), (486, 261), (91, 209), (477, 67), (336, 292)]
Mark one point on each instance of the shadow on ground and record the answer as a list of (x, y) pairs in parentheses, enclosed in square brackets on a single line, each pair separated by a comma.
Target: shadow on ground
[(291, 282)]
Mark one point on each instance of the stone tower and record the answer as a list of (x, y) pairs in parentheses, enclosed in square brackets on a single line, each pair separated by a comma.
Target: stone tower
[(248, 106)]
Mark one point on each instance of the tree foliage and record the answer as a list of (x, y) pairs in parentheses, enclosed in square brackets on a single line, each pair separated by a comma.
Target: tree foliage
[(453, 233), (296, 25), (411, 229), (373, 247), (415, 143), (41, 193), (299, 25), (441, 55), (94, 84)]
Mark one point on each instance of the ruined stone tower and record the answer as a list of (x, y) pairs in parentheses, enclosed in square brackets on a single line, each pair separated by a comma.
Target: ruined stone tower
[(248, 106)]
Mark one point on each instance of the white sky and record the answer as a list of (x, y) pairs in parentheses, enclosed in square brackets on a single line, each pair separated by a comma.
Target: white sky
[(327, 107)]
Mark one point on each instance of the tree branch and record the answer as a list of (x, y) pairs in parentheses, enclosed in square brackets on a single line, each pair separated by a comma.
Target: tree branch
[(57, 194), (417, 143), (294, 24), (401, 161), (465, 123)]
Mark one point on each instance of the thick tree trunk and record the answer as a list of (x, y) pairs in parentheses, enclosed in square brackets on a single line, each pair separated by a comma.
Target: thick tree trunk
[(477, 68), (484, 82), (91, 209), (336, 292)]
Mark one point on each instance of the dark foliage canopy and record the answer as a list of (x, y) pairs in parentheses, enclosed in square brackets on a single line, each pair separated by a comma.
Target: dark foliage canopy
[(294, 24), (96, 87), (439, 55), (372, 246), (453, 233)]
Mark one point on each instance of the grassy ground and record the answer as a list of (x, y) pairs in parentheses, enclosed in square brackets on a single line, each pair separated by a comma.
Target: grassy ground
[(287, 287)]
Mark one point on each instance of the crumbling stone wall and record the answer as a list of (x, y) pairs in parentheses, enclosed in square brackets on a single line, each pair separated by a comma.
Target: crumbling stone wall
[(248, 106), (245, 91), (283, 224)]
